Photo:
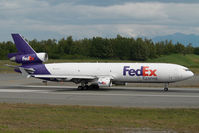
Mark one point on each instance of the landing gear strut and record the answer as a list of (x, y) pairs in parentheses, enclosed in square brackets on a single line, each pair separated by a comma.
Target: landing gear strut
[(166, 85), (45, 82)]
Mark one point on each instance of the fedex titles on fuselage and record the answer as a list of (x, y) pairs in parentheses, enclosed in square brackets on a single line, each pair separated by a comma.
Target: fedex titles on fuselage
[(144, 71)]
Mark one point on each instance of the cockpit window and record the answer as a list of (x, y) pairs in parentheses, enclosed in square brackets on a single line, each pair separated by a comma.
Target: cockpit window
[(186, 69)]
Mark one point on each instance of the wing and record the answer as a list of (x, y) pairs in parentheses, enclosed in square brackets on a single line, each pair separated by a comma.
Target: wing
[(63, 77), (74, 78), (28, 72)]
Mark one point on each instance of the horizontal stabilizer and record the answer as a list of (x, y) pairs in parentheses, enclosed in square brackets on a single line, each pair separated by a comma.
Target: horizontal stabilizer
[(24, 73), (28, 70), (12, 66)]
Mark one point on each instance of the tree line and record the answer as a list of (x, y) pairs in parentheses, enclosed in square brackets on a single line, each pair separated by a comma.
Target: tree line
[(121, 48)]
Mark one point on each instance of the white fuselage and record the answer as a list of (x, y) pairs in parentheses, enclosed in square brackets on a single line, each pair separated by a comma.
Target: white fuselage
[(124, 72)]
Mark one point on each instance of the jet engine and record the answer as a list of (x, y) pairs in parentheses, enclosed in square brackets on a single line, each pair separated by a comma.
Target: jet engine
[(104, 82), (28, 58), (43, 56)]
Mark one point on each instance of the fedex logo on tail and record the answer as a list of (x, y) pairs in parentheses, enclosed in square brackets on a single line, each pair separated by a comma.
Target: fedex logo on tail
[(27, 58), (143, 71)]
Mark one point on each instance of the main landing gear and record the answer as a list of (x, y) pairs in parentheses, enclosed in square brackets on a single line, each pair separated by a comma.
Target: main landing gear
[(85, 86), (88, 87), (166, 85)]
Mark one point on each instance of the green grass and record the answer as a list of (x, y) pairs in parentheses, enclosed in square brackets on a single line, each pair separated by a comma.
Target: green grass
[(59, 118), (191, 61), (6, 69), (88, 60)]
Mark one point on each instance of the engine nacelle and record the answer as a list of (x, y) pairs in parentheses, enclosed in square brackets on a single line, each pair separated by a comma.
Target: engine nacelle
[(104, 82), (29, 58), (43, 56)]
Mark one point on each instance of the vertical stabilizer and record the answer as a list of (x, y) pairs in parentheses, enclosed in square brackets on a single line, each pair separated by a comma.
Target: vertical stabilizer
[(22, 46), (26, 54)]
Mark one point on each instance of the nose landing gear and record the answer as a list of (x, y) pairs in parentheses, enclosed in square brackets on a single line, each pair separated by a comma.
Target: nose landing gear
[(45, 82), (166, 85)]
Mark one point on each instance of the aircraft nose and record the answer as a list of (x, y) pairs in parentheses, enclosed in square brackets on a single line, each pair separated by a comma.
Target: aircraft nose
[(189, 75)]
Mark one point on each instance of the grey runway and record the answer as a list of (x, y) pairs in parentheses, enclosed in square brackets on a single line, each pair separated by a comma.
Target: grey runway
[(116, 96), (20, 90)]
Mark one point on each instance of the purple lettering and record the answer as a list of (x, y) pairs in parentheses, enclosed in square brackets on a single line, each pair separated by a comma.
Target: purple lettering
[(132, 72), (125, 70), (139, 72)]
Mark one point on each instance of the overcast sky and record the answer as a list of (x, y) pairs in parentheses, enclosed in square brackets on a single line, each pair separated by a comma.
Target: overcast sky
[(44, 19)]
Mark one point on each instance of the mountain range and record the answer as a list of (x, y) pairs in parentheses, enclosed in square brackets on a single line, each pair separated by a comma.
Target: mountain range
[(179, 37)]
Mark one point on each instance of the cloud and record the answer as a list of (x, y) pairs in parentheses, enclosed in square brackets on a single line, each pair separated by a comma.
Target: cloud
[(88, 18)]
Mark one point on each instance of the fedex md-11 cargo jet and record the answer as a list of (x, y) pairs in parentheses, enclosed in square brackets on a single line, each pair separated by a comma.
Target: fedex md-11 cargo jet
[(93, 75)]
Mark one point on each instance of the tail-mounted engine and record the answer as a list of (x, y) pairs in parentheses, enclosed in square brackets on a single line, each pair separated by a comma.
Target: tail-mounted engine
[(28, 58)]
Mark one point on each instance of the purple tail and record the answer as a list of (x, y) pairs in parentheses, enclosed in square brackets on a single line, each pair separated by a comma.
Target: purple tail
[(25, 53), (22, 46)]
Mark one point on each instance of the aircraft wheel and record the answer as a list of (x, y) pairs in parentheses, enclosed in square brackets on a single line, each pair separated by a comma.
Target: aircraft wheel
[(93, 87), (166, 89), (166, 86), (80, 88), (90, 87), (96, 87), (86, 87)]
